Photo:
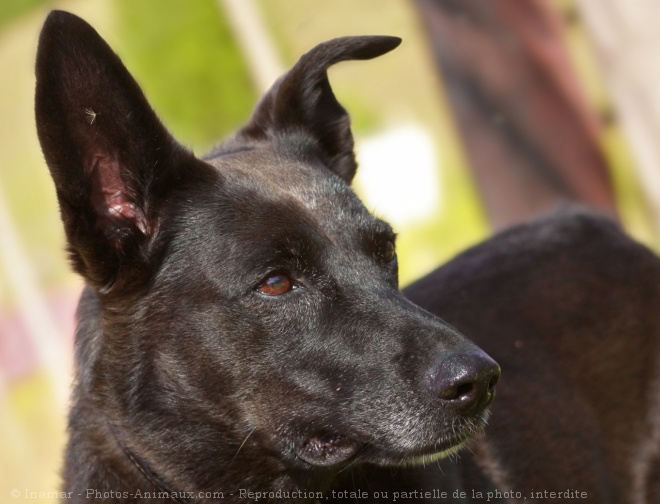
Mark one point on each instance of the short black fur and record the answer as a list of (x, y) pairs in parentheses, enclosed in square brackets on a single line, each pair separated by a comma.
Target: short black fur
[(242, 329)]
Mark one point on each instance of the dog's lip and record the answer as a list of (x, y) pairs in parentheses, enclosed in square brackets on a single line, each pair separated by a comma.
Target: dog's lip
[(327, 449)]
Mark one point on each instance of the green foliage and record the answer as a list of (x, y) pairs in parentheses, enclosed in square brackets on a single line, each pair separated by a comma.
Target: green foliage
[(11, 9), (185, 57)]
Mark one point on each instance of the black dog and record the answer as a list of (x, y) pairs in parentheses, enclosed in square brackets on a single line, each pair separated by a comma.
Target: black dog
[(242, 337), (241, 329)]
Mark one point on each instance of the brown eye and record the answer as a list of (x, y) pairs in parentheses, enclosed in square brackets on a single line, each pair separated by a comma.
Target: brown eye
[(276, 285), (389, 253)]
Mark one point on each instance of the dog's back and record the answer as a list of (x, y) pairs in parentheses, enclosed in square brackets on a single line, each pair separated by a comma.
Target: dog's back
[(569, 307)]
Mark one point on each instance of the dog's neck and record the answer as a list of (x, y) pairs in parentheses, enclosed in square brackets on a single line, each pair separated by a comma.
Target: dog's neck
[(145, 471), (149, 475)]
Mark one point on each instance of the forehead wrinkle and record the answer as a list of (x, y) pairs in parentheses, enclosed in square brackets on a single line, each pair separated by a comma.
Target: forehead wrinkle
[(280, 178)]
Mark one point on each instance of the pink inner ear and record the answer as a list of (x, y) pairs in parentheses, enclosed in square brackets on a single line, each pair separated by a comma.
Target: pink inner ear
[(110, 195)]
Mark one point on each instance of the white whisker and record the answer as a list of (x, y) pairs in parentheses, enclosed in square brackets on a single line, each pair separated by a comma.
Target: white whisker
[(242, 444)]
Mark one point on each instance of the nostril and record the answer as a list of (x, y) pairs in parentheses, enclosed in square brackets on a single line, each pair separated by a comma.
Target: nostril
[(459, 393), (452, 391), (464, 390), (465, 381)]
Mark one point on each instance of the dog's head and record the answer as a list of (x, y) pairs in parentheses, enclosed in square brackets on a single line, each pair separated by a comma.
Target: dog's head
[(243, 321)]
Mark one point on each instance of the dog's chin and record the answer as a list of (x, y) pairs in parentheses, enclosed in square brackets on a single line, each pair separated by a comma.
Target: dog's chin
[(421, 457)]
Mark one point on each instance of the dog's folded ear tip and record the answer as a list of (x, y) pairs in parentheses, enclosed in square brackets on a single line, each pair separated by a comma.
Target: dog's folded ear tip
[(361, 47), (387, 43), (385, 40), (391, 40)]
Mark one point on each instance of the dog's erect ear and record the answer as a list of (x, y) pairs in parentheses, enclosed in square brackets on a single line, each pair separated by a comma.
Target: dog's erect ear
[(109, 155), (302, 103)]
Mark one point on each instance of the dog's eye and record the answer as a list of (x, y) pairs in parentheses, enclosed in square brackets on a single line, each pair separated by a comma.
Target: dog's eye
[(389, 253), (276, 285)]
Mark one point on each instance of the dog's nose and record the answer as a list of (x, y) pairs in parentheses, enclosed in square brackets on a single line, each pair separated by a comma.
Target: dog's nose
[(466, 381)]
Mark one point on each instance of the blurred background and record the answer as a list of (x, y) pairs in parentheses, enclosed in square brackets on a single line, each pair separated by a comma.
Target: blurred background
[(490, 113)]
